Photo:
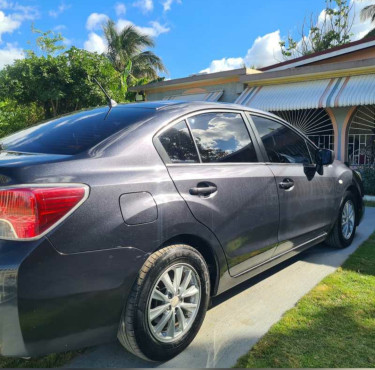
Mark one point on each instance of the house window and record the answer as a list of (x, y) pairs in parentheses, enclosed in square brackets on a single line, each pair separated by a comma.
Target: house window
[(314, 123), (361, 137)]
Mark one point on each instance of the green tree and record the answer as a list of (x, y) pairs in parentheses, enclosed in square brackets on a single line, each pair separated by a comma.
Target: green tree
[(322, 34), (60, 84), (47, 43), (128, 55)]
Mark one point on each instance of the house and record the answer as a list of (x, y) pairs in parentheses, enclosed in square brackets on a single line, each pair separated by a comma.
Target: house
[(330, 95)]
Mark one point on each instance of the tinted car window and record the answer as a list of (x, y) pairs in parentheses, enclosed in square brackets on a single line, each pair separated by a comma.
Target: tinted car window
[(282, 144), (222, 137), (178, 144), (74, 133)]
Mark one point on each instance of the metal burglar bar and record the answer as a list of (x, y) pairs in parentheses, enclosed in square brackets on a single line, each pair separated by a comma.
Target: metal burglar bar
[(314, 123), (361, 138)]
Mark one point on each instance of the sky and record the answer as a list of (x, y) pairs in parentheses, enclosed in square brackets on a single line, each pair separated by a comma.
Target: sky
[(191, 36)]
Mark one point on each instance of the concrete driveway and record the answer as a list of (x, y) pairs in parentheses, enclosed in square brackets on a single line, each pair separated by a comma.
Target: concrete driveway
[(240, 317)]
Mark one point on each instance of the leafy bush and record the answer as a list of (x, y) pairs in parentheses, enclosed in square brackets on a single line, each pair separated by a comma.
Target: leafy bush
[(15, 117), (368, 176), (60, 84)]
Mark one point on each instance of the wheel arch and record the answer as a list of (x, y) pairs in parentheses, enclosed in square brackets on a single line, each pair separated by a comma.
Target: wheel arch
[(206, 250), (354, 190)]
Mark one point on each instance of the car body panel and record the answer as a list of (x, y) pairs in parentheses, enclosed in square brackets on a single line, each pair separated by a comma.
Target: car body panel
[(68, 289), (246, 223), (306, 210)]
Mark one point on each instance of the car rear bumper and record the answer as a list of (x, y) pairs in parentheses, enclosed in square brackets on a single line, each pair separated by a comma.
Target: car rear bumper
[(11, 256), (50, 302)]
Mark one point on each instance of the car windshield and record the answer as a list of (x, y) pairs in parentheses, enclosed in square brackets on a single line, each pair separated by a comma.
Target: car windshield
[(74, 133)]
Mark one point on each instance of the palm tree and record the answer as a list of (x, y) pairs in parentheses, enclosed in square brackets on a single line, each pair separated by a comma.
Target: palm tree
[(368, 12), (126, 51)]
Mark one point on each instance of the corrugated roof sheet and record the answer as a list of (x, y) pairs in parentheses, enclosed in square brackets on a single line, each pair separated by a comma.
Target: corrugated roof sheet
[(327, 93), (213, 96)]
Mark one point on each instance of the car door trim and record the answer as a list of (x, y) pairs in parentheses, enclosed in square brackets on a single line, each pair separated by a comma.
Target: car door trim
[(282, 254)]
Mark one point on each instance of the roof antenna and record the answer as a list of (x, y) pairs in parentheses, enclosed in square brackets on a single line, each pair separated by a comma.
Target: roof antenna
[(111, 103)]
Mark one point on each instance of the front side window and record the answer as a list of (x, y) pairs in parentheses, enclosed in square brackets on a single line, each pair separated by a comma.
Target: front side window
[(222, 137), (178, 144), (282, 144)]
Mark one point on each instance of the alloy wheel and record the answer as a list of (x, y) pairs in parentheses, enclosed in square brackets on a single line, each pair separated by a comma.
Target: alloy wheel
[(174, 303), (348, 219)]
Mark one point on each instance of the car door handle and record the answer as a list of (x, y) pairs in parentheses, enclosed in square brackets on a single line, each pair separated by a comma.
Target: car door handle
[(286, 184), (203, 189)]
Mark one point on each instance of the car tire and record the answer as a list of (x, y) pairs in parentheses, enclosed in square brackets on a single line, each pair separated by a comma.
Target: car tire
[(340, 237), (141, 329)]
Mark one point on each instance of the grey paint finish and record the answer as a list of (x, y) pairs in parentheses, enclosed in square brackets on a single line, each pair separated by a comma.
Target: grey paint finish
[(246, 221), (240, 317), (138, 208), (89, 262)]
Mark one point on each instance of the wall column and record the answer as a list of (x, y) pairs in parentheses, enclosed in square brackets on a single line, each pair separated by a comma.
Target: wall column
[(341, 118)]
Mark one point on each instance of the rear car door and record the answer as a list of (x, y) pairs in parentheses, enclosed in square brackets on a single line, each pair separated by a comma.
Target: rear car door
[(307, 199), (213, 162)]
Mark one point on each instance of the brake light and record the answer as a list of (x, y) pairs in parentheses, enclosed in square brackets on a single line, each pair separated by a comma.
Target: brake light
[(28, 212)]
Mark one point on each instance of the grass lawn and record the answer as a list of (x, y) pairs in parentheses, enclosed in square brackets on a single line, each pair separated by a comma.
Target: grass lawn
[(53, 360), (332, 326), (369, 203)]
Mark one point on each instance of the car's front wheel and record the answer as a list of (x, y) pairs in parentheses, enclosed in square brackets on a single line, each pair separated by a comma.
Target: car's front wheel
[(343, 232), (167, 305)]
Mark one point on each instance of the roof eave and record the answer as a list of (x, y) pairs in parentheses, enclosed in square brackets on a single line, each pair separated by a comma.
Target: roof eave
[(312, 72), (323, 55), (218, 76)]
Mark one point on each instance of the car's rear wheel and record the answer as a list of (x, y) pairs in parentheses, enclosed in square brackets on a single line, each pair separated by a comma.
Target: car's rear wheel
[(167, 305), (343, 232)]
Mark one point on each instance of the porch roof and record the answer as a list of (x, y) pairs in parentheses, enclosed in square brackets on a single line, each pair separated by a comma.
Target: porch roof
[(324, 93)]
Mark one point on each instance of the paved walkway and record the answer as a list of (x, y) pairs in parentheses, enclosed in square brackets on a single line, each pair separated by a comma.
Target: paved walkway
[(239, 318)]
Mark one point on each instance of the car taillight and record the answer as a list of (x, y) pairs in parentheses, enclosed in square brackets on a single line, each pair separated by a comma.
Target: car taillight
[(29, 212)]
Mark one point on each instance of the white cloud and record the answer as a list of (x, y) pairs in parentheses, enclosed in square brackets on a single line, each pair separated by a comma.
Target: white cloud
[(360, 29), (67, 42), (9, 54), (145, 5), (95, 43), (155, 30), (18, 14), (264, 51), (59, 27), (120, 9), (95, 21), (61, 9), (167, 4), (224, 64), (7, 24)]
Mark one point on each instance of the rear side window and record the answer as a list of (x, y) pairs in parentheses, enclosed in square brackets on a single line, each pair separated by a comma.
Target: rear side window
[(75, 133), (222, 137), (178, 144), (282, 144)]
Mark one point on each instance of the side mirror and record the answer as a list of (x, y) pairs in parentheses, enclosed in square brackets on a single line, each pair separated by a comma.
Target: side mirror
[(324, 157)]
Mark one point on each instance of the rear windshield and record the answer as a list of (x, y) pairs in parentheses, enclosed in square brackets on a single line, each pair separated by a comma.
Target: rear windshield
[(75, 133)]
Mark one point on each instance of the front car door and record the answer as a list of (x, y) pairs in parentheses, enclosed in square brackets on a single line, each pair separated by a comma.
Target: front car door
[(307, 199), (213, 162)]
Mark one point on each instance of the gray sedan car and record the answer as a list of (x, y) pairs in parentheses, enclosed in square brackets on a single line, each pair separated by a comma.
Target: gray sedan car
[(126, 221)]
